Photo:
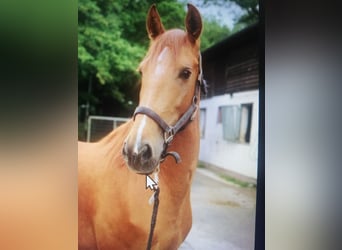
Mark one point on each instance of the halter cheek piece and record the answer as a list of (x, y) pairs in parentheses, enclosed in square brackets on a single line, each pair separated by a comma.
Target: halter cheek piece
[(189, 115)]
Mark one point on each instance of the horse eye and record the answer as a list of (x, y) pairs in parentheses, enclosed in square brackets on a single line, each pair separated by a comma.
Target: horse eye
[(185, 74)]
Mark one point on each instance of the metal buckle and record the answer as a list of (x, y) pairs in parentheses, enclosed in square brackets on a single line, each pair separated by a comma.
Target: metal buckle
[(168, 135)]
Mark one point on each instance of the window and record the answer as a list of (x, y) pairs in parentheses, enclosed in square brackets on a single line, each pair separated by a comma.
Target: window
[(202, 121), (236, 122)]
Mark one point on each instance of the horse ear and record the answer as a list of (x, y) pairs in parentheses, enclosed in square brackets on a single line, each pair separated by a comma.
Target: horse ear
[(154, 25), (193, 23)]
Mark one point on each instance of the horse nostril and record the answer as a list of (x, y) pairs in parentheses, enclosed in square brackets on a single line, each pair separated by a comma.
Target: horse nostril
[(146, 152), (134, 159)]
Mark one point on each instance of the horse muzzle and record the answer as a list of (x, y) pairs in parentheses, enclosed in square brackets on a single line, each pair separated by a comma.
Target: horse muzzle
[(140, 159)]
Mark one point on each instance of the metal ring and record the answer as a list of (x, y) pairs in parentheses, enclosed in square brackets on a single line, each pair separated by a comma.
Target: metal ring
[(168, 135), (194, 99)]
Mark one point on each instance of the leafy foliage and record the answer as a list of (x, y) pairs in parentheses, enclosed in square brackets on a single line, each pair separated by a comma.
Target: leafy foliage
[(104, 55), (212, 33), (252, 11)]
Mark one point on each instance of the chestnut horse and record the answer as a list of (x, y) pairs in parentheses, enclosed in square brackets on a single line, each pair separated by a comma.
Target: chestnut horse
[(114, 212)]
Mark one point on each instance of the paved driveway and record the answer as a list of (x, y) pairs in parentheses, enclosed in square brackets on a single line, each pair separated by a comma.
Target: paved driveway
[(223, 214)]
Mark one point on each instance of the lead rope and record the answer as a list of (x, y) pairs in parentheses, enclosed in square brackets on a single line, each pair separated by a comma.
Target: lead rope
[(154, 217)]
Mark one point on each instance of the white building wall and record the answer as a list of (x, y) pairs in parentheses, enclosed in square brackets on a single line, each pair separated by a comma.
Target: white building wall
[(238, 157)]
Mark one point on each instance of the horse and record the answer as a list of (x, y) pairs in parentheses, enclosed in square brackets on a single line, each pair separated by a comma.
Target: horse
[(114, 212)]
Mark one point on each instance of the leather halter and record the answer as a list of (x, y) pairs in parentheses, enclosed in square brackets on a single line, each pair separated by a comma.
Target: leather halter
[(169, 130)]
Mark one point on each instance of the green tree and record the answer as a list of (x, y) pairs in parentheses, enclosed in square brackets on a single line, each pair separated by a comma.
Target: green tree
[(252, 11), (104, 55)]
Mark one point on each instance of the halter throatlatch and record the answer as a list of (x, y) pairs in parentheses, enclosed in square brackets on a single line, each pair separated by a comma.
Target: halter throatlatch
[(188, 116)]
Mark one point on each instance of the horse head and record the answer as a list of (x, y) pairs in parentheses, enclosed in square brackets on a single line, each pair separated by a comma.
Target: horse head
[(169, 78)]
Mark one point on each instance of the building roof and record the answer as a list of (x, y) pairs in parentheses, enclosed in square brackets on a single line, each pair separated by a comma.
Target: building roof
[(231, 65), (249, 33)]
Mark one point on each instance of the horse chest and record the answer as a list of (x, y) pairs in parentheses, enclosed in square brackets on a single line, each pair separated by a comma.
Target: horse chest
[(125, 224)]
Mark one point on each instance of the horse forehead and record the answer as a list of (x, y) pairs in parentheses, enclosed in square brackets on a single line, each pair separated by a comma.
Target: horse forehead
[(163, 62), (168, 57), (163, 54)]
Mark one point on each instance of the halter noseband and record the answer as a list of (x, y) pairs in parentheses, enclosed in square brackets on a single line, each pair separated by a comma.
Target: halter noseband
[(188, 116)]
